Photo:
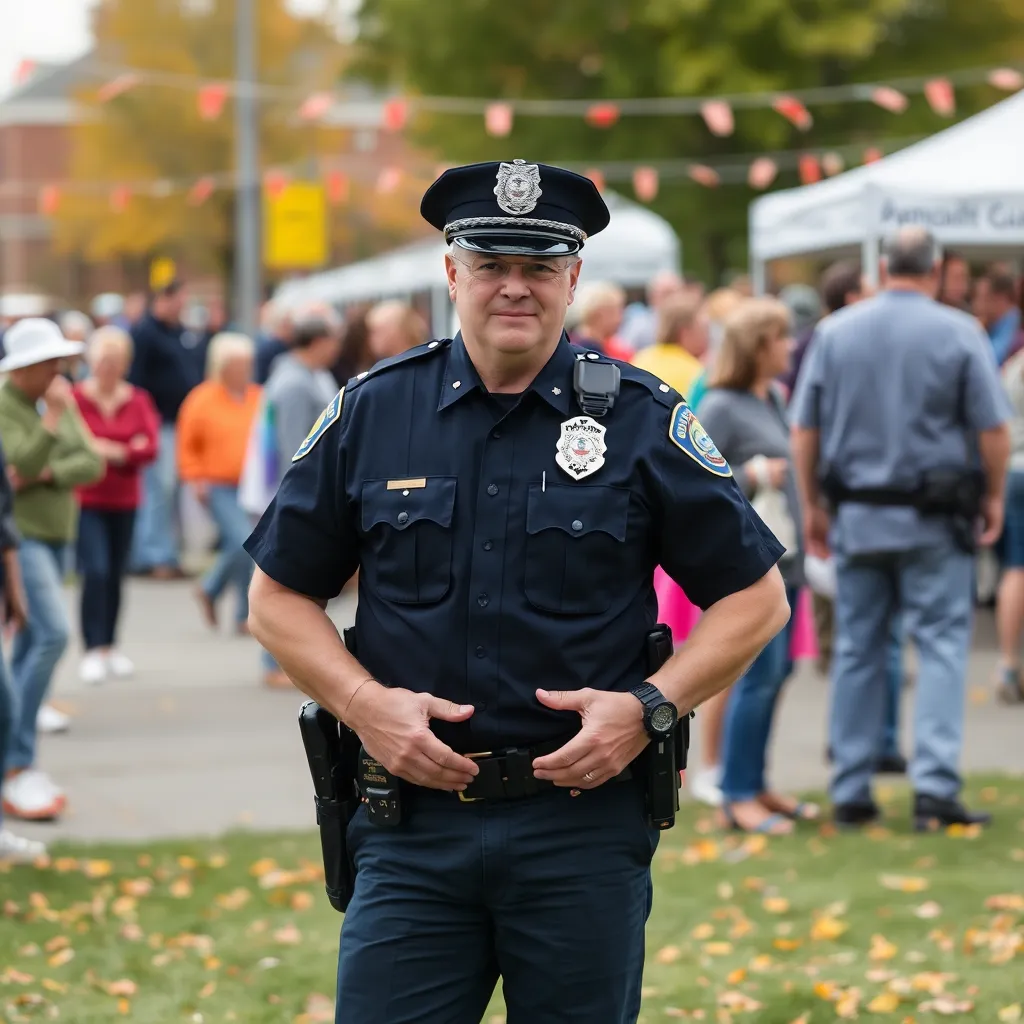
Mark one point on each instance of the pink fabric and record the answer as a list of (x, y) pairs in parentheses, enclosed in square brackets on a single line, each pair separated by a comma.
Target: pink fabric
[(676, 611)]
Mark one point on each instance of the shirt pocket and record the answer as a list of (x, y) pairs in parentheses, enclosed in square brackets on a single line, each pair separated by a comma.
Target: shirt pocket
[(407, 556), (575, 547)]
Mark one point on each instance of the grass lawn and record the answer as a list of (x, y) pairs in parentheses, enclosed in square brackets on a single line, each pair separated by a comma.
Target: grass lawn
[(812, 928)]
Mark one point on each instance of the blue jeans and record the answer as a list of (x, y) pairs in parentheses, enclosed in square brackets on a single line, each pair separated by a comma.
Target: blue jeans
[(104, 540), (932, 590), (748, 719), (6, 716), (233, 565), (155, 541), (39, 646), (894, 681), (551, 892)]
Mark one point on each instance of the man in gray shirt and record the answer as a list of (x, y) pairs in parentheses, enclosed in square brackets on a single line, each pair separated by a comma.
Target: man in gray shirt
[(894, 387)]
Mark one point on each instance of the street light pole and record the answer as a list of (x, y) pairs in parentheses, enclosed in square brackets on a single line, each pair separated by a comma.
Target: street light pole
[(248, 255)]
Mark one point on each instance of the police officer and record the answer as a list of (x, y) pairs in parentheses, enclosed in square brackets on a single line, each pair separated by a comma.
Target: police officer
[(898, 398), (506, 526)]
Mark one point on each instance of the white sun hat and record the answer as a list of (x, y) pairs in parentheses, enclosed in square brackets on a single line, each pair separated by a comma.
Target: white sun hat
[(35, 340)]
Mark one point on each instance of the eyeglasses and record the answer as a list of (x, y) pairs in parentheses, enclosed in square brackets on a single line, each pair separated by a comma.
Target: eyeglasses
[(492, 270)]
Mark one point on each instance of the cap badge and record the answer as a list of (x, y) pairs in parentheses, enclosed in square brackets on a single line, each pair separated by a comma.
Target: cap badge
[(518, 187)]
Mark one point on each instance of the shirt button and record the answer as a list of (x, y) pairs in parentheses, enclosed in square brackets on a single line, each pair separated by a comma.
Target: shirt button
[(577, 525), (483, 600), (403, 518), (488, 544), (492, 489), (480, 652)]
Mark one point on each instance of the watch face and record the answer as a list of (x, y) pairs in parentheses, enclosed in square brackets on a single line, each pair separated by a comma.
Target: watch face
[(663, 718)]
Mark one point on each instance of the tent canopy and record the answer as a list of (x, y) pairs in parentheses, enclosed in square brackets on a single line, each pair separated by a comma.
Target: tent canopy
[(635, 246), (965, 184)]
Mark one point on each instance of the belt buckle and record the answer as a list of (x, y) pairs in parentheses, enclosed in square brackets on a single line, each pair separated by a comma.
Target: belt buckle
[(474, 799)]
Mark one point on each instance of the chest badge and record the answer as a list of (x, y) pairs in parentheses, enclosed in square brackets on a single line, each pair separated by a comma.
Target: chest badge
[(581, 447)]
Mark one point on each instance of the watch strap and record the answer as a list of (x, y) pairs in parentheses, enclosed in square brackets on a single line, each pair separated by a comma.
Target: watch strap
[(645, 691)]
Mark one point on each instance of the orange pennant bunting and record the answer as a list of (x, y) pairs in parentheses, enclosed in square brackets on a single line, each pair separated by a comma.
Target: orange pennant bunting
[(793, 111), (890, 99), (119, 198), (704, 175), (645, 183), (1008, 79), (810, 170), (498, 119), (315, 106), (872, 155), (718, 117), (338, 188), (117, 87), (275, 182), (762, 172), (201, 191), (389, 179), (940, 96), (596, 175), (210, 100), (49, 200), (602, 115), (832, 163), (394, 114)]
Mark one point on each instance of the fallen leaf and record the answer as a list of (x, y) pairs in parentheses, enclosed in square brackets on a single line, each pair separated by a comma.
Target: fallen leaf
[(881, 948), (928, 910), (29, 949), (53, 986), (181, 888), (877, 975), (848, 1004), (775, 905), (187, 863), (137, 886), (904, 883), (886, 1002), (827, 928), (261, 867), (320, 1009), (15, 977), (1007, 1014), (761, 963), (946, 1005), (267, 963), (123, 906), (703, 931), (1013, 901), (932, 982), (725, 891), (61, 957), (65, 864), (755, 844), (234, 900), (97, 868), (57, 942), (211, 963), (301, 901), (718, 948), (218, 860), (124, 987), (738, 1002), (144, 860), (787, 944), (674, 1011), (804, 1018), (667, 955), (736, 977), (753, 884), (744, 926), (289, 935), (132, 932), (827, 990), (989, 795), (124, 1007), (207, 990)]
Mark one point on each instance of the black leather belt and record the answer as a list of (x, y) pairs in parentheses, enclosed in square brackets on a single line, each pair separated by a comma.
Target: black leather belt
[(508, 774)]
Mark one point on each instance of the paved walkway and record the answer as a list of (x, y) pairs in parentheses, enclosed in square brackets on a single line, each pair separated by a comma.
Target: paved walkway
[(195, 745)]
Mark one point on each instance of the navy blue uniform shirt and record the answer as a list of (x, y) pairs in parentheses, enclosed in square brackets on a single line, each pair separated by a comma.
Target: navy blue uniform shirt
[(486, 569), (167, 363)]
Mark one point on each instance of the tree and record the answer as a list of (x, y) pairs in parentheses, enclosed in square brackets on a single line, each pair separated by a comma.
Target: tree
[(153, 133), (581, 49)]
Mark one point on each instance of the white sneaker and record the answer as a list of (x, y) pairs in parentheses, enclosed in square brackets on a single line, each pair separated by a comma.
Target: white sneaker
[(120, 665), (32, 795), (51, 720), (93, 669), (704, 786), (19, 850)]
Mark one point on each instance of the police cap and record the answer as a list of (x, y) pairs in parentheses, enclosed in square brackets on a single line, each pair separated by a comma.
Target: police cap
[(515, 208)]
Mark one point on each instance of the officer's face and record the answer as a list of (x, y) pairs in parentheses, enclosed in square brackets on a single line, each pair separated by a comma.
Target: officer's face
[(511, 304)]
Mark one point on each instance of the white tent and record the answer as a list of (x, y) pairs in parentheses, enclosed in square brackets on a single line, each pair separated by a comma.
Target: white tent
[(965, 184), (635, 246)]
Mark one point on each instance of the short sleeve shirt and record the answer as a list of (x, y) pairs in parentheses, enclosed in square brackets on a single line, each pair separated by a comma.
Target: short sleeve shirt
[(489, 569)]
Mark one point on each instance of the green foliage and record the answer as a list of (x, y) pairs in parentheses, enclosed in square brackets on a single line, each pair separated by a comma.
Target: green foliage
[(583, 49)]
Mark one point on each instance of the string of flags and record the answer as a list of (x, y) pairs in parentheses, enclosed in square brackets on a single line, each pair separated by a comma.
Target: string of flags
[(499, 115), (758, 172)]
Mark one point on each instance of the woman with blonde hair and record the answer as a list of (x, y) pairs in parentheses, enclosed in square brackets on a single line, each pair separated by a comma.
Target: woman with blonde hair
[(213, 435), (745, 414), (125, 429)]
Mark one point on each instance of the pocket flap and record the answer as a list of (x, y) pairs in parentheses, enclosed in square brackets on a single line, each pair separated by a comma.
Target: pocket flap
[(577, 510), (401, 508)]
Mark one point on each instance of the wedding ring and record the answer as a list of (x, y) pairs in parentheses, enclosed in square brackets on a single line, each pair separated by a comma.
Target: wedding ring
[(589, 776)]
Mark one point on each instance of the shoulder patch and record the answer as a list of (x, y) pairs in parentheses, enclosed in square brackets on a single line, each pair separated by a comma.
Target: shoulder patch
[(330, 415), (418, 352), (685, 432)]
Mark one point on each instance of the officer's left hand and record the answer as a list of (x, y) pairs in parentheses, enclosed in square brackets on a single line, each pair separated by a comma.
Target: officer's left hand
[(612, 735)]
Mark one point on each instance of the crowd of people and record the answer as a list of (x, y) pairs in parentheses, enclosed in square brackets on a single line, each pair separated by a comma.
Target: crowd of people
[(106, 419)]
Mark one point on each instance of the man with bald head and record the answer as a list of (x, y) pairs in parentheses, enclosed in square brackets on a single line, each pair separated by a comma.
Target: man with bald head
[(900, 446)]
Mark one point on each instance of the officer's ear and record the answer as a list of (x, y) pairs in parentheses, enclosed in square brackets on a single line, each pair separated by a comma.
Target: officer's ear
[(574, 276), (450, 271)]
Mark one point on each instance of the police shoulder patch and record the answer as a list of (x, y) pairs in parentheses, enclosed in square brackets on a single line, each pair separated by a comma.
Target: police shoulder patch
[(330, 415), (685, 432)]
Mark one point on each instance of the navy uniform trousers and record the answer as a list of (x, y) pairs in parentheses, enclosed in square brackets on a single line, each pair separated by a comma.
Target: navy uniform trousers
[(551, 892)]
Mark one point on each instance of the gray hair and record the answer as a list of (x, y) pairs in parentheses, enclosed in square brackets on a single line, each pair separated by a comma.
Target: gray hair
[(223, 348), (76, 325), (911, 252)]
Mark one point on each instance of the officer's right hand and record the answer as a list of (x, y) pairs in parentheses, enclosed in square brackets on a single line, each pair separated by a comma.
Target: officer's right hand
[(394, 727)]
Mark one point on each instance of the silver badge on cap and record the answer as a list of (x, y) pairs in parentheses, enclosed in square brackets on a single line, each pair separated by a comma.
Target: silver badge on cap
[(518, 187)]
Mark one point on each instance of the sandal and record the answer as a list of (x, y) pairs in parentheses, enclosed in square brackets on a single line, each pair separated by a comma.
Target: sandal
[(773, 825), (802, 810), (1009, 689)]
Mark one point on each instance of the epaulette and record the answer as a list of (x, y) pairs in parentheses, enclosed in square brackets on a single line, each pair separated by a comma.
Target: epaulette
[(419, 352), (628, 372)]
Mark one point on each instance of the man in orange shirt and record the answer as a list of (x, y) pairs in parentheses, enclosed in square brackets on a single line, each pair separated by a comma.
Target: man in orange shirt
[(213, 434)]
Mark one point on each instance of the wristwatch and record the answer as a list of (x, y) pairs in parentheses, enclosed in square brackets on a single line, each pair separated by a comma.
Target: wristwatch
[(660, 714)]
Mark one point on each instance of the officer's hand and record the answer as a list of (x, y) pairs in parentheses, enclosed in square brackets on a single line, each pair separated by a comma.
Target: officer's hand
[(816, 524), (394, 727), (992, 513), (612, 735)]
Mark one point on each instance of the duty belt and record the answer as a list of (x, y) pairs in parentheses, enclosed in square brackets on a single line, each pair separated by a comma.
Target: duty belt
[(508, 774)]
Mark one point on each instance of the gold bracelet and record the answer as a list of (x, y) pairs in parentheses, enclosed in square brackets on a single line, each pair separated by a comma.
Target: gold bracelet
[(368, 679)]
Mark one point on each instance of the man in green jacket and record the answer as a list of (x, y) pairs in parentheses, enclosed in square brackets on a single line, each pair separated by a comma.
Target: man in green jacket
[(49, 452)]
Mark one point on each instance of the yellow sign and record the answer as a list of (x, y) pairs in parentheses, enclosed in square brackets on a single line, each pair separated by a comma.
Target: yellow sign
[(162, 271), (295, 227)]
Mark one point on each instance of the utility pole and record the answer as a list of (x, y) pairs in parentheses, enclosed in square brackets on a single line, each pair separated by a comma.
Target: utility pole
[(248, 247)]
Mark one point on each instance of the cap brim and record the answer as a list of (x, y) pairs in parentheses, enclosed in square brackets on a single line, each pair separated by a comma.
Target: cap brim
[(19, 361), (517, 243)]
